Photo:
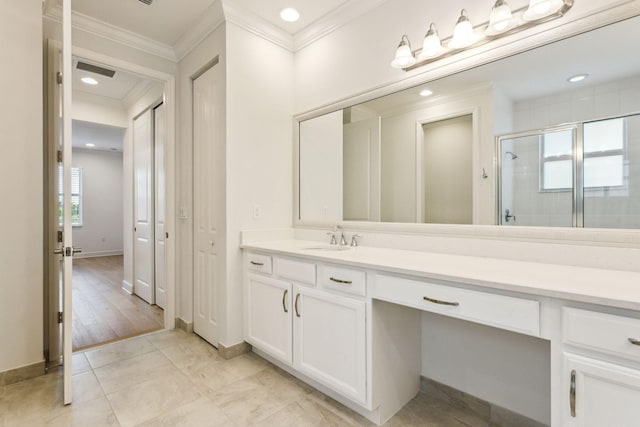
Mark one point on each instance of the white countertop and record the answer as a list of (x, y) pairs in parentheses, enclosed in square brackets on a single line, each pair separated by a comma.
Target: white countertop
[(612, 288)]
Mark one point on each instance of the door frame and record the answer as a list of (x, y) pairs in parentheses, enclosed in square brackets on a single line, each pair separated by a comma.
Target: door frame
[(475, 157), (169, 99)]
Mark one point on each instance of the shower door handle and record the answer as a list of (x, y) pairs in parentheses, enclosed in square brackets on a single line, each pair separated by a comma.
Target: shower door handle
[(508, 216)]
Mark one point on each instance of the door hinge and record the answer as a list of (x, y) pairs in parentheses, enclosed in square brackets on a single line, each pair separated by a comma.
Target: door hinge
[(59, 156), (59, 77), (60, 236), (59, 317)]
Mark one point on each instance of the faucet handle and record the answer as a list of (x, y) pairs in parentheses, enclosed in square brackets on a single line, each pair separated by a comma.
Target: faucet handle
[(333, 238), (343, 241), (354, 240)]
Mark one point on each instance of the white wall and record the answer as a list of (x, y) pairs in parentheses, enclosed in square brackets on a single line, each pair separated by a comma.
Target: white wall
[(211, 47), (259, 152), (98, 109), (101, 231), (21, 185)]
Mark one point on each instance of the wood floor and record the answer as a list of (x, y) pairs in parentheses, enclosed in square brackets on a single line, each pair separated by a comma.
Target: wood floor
[(102, 310)]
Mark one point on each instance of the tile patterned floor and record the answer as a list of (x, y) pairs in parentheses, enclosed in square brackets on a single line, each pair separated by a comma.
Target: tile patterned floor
[(171, 378)]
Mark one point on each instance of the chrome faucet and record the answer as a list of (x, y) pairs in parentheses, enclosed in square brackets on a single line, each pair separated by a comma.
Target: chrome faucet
[(334, 241)]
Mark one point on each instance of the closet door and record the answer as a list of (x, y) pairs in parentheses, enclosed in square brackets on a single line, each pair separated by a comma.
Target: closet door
[(143, 206), (208, 205)]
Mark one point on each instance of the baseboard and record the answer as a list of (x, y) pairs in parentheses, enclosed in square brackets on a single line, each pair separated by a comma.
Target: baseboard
[(21, 374), (99, 254), (185, 326), (493, 414), (234, 350), (128, 287)]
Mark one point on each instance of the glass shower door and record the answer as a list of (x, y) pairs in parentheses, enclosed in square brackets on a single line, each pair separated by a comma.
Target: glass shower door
[(536, 178)]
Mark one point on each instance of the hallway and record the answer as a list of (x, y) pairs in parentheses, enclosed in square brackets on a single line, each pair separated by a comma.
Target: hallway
[(102, 310)]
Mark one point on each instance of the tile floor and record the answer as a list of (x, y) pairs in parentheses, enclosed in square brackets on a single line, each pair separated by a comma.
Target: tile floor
[(172, 378)]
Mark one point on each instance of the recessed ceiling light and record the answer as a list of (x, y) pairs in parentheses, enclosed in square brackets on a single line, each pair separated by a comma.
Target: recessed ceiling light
[(577, 78), (289, 14), (90, 145), (89, 81), (426, 92)]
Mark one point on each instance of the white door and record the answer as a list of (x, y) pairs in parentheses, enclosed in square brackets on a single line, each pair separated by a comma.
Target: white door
[(160, 217), (208, 200), (143, 206), (361, 170), (269, 316), (600, 393), (330, 341)]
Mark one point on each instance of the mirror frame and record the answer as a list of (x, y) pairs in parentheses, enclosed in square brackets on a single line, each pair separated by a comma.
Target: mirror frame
[(542, 35)]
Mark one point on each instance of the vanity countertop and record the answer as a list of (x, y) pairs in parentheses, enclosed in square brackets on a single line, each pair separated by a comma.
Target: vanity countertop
[(612, 288)]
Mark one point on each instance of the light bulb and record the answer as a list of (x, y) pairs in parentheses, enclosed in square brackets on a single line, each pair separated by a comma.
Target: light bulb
[(404, 56), (500, 19), (539, 9), (289, 14), (431, 46), (463, 34)]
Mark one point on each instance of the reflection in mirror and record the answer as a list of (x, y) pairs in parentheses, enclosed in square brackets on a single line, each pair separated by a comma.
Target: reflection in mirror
[(378, 164)]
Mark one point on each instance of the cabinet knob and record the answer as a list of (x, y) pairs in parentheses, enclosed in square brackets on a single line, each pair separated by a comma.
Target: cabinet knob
[(634, 341)]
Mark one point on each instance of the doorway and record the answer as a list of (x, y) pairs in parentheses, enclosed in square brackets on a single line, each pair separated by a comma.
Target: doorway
[(447, 165), (105, 307)]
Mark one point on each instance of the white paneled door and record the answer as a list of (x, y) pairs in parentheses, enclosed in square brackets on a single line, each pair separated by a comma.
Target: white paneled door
[(160, 217), (143, 206), (208, 200)]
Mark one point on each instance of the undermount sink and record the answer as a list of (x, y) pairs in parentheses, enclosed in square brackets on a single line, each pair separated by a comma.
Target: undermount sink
[(327, 247)]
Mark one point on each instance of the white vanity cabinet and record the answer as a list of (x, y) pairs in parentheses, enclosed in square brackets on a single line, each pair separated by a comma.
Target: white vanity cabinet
[(601, 368), (319, 331)]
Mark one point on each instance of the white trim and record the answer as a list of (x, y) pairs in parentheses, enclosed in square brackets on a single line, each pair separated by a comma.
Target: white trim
[(332, 21), (97, 254), (114, 33), (208, 23), (255, 24), (136, 93), (128, 288)]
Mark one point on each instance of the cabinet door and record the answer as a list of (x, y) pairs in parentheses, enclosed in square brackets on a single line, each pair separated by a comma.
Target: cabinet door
[(330, 341), (605, 394), (268, 316)]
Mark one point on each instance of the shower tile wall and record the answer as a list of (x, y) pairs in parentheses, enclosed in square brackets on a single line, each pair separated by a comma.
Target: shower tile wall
[(619, 209)]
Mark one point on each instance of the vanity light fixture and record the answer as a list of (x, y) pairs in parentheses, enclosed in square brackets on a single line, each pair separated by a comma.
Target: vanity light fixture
[(289, 14), (539, 9), (501, 19), (404, 56), (463, 33), (577, 78), (89, 81), (502, 22), (431, 46), (426, 92)]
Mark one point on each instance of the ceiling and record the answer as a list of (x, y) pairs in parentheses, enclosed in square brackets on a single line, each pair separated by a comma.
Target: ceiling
[(166, 21), (105, 138), (116, 87)]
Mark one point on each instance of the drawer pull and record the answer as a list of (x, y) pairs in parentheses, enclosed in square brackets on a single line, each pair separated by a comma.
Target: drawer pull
[(296, 305), (284, 298), (572, 394), (634, 341), (344, 282), (259, 264), (437, 301)]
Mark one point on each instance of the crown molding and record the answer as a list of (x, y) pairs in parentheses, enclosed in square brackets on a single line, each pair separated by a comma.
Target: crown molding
[(254, 24), (111, 32), (332, 21), (212, 18)]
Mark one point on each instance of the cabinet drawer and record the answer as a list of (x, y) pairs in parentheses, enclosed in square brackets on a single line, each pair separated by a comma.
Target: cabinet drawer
[(300, 271), (515, 314), (602, 332), (343, 279), (259, 263)]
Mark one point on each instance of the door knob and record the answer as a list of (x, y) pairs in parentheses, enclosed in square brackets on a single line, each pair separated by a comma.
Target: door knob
[(76, 250), (58, 251)]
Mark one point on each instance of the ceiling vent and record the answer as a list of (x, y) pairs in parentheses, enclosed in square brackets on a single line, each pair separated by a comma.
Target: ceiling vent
[(95, 69), (147, 2)]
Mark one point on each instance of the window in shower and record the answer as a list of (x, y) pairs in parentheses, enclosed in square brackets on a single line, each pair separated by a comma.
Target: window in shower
[(582, 175)]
